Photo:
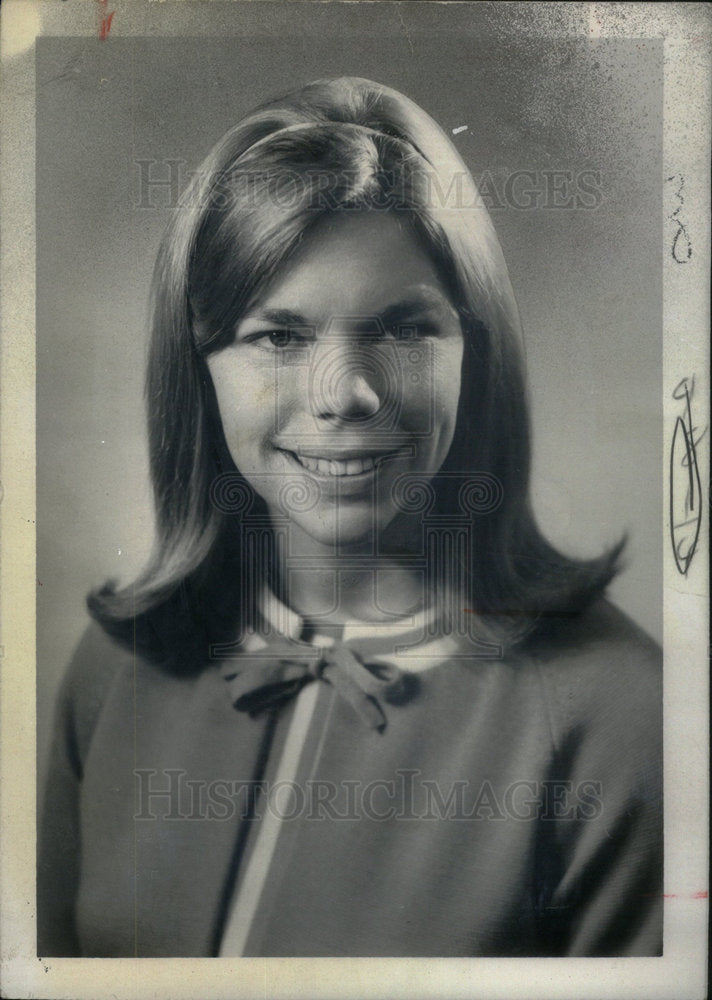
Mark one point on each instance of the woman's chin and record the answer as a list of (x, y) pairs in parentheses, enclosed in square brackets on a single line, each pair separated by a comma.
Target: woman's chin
[(340, 530)]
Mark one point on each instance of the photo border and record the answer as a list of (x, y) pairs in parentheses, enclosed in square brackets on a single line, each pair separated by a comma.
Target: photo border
[(685, 29)]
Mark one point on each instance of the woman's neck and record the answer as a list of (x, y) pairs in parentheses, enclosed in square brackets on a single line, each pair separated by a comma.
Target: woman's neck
[(335, 587), (336, 595)]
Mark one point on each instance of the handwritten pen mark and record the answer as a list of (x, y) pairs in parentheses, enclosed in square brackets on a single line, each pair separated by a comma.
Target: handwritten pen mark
[(685, 529), (681, 249)]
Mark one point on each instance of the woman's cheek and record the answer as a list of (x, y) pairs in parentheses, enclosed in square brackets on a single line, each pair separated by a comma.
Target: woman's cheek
[(432, 397), (245, 394)]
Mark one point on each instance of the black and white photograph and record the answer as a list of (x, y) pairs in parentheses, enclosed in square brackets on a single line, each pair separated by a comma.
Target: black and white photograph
[(368, 445)]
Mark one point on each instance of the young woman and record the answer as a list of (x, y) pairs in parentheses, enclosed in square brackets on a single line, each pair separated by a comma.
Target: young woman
[(356, 704)]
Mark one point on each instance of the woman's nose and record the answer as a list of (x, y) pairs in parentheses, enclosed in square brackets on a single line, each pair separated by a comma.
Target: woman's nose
[(344, 383)]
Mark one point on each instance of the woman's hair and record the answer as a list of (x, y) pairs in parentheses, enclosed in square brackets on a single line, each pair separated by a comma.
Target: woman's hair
[(339, 145)]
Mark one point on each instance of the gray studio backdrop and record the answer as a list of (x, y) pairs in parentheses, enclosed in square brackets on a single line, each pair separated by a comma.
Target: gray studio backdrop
[(565, 136)]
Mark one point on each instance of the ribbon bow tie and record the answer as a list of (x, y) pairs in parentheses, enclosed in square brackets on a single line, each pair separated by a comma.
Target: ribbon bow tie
[(278, 672)]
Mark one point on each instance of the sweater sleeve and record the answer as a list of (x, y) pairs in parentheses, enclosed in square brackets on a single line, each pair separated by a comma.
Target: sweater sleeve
[(601, 852), (79, 703)]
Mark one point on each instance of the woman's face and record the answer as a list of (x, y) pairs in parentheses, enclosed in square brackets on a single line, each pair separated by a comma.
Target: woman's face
[(344, 375)]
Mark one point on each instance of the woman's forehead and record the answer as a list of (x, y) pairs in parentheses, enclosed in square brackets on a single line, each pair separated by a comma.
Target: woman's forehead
[(367, 262)]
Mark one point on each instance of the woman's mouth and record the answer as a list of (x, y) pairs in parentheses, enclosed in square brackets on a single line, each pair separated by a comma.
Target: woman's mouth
[(334, 467), (344, 467)]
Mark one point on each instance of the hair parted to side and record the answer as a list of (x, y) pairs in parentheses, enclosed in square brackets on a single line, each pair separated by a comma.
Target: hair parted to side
[(336, 145)]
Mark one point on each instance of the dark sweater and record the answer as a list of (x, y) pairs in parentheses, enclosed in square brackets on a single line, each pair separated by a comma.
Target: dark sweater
[(512, 807)]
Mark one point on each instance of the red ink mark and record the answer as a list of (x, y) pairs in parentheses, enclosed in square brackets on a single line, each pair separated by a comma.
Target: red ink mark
[(39, 581), (106, 19), (702, 894)]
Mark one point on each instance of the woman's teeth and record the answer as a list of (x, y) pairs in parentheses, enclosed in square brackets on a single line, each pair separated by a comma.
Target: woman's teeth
[(333, 467)]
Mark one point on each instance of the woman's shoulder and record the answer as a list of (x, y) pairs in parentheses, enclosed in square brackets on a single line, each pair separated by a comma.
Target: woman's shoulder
[(601, 669), (96, 658), (601, 630), (89, 677)]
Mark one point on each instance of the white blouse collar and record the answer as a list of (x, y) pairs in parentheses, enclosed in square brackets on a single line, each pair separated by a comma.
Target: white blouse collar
[(287, 622)]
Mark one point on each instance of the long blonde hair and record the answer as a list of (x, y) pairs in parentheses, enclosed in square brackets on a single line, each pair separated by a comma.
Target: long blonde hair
[(336, 145)]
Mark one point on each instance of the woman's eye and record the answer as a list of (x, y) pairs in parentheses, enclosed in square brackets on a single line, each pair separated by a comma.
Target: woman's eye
[(278, 338)]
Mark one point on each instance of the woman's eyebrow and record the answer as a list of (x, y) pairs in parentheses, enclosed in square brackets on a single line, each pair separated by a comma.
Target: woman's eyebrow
[(407, 309), (397, 312), (280, 317)]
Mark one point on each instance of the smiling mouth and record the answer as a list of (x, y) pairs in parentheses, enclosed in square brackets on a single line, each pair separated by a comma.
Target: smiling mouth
[(334, 467)]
